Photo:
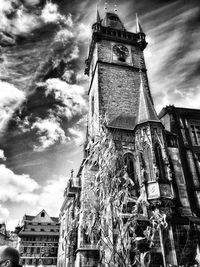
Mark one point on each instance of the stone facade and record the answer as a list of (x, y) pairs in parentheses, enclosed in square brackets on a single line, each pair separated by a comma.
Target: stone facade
[(119, 93), (39, 237)]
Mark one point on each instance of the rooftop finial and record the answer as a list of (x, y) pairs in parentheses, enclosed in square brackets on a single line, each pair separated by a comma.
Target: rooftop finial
[(72, 174), (138, 26)]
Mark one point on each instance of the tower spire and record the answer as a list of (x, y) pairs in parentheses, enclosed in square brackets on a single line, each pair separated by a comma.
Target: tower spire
[(146, 111), (98, 17), (138, 26)]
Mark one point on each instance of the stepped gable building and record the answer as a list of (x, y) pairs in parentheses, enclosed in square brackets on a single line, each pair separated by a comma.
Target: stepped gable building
[(39, 240), (162, 155)]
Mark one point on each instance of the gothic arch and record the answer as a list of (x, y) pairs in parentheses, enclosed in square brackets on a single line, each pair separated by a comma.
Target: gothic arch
[(159, 161)]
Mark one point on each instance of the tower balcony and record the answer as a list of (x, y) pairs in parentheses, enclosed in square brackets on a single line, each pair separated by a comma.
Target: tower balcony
[(73, 187)]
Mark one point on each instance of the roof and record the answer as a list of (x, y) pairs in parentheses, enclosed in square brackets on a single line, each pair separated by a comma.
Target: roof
[(183, 111), (112, 20), (123, 121), (146, 110), (30, 218)]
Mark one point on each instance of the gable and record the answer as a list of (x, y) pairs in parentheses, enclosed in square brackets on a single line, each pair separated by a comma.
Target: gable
[(43, 217)]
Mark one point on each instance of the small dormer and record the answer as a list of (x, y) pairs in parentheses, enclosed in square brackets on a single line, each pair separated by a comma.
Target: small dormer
[(113, 21)]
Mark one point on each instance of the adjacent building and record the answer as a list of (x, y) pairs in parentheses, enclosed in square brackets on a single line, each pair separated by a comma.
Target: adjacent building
[(4, 237), (39, 236), (161, 153), (185, 124)]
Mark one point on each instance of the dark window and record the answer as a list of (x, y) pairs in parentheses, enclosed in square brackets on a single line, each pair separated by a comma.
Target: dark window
[(52, 230), (32, 229), (43, 214), (42, 230), (195, 132), (159, 161), (92, 106), (114, 18)]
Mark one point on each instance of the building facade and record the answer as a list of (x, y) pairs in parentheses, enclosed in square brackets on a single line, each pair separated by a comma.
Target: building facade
[(39, 237), (119, 92), (4, 237), (185, 123)]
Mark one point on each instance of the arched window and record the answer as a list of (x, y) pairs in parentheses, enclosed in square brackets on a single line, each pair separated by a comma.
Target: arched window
[(128, 162), (159, 161)]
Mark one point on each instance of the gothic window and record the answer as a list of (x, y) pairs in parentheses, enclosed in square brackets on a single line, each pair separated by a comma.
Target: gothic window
[(195, 134), (128, 162), (159, 161), (43, 214)]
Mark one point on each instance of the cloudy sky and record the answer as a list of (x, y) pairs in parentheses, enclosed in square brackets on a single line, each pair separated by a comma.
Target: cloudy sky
[(43, 90)]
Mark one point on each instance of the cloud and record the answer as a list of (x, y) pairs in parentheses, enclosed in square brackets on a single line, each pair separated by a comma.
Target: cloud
[(175, 56), (68, 76), (11, 224), (51, 197), (13, 186), (50, 14), (49, 132), (77, 133), (19, 19), (77, 136), (83, 32), (4, 213), (10, 100), (2, 155), (32, 2), (70, 96)]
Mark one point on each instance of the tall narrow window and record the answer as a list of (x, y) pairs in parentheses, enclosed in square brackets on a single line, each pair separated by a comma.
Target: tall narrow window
[(92, 105), (149, 163), (159, 161), (128, 162)]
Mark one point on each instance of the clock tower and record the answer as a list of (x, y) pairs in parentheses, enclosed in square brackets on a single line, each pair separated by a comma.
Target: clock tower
[(119, 93), (115, 65)]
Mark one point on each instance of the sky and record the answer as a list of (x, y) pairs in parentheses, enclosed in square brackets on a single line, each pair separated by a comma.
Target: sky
[(43, 89)]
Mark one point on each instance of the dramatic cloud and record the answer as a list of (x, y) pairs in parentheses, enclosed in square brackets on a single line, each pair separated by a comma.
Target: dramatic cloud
[(70, 96), (174, 53), (14, 185), (10, 99), (42, 43), (51, 14), (49, 132)]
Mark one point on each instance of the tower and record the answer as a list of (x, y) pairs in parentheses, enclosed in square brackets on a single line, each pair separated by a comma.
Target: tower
[(119, 94)]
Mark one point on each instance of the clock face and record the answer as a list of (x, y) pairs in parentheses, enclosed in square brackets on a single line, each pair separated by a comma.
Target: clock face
[(121, 51)]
